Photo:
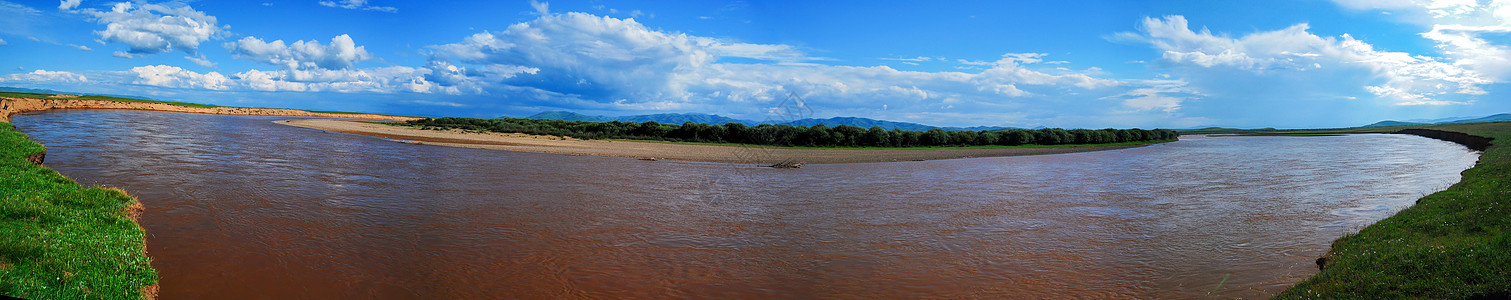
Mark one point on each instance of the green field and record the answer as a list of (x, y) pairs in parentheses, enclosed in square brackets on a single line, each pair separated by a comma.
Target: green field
[(1450, 245), (59, 240)]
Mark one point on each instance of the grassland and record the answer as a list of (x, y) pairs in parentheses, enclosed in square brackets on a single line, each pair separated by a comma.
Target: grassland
[(59, 240), (1452, 244)]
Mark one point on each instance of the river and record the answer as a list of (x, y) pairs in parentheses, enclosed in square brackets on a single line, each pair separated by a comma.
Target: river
[(239, 207)]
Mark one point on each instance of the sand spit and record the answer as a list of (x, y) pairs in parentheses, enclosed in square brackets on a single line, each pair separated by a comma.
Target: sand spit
[(14, 105), (654, 150)]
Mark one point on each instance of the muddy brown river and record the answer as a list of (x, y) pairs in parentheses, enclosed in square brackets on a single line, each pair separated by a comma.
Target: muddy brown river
[(239, 207)]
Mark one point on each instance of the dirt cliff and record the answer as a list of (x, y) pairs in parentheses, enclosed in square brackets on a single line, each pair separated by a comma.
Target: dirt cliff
[(13, 105)]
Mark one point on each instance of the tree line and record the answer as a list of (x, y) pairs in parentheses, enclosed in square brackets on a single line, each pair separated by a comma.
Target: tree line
[(788, 135)]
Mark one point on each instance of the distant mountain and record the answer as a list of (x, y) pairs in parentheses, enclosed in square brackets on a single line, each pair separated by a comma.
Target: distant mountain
[(717, 119), (1440, 120), (568, 116), (1392, 123), (1208, 130), (1491, 118), (27, 90), (888, 125), (678, 119), (47, 91), (862, 123)]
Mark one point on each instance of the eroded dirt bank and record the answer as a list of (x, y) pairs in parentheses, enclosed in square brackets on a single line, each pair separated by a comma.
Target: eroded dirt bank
[(13, 105)]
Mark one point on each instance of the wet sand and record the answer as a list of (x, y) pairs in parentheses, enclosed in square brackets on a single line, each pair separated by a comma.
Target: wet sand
[(672, 151)]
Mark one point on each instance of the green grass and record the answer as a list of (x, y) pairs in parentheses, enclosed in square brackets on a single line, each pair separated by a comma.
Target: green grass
[(98, 97), (1452, 244), (62, 241)]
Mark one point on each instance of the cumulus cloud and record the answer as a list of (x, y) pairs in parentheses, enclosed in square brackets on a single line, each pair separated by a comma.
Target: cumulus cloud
[(341, 53), (46, 76), (622, 62), (375, 80), (358, 4), (1471, 33), (152, 28), (1404, 78), (175, 77), (68, 4)]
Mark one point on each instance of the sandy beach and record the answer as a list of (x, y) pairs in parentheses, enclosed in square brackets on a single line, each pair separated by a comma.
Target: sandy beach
[(672, 151)]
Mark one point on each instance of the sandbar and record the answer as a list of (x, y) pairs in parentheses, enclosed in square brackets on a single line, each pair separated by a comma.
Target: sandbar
[(671, 151)]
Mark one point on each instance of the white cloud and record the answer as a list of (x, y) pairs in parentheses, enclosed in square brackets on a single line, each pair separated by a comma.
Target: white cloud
[(201, 60), (606, 63), (599, 53), (68, 4), (12, 8), (1162, 95), (544, 8), (2, 42), (355, 4), (152, 28), (1471, 33), (438, 103), (342, 53), (46, 76), (1411, 80), (175, 77), (17, 19)]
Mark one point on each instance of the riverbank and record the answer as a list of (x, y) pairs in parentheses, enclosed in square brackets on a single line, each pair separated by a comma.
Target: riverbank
[(1452, 244), (16, 105), (678, 151), (59, 240)]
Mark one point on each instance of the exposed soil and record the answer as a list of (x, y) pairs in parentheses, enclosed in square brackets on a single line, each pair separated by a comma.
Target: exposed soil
[(14, 105)]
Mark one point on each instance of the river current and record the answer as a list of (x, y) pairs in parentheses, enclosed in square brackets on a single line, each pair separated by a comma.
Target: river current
[(239, 207)]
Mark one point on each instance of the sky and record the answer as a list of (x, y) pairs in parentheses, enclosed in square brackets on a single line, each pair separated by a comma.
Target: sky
[(1070, 64)]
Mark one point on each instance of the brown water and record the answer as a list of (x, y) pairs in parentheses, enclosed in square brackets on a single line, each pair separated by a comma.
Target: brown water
[(239, 207)]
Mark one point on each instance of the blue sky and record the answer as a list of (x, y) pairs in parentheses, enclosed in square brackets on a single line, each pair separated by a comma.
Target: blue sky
[(1074, 64)]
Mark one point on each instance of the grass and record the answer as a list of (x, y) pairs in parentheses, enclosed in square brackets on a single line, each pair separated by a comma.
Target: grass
[(402, 124), (59, 240), (1452, 244), (98, 97)]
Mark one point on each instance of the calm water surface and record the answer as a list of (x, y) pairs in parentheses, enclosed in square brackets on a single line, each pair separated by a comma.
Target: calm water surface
[(239, 207)]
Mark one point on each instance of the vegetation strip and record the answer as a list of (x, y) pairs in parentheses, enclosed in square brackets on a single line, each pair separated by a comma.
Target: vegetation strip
[(787, 135), (62, 241), (1452, 244)]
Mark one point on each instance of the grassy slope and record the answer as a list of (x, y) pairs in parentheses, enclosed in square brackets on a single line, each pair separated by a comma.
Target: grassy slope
[(62, 241), (1451, 244)]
